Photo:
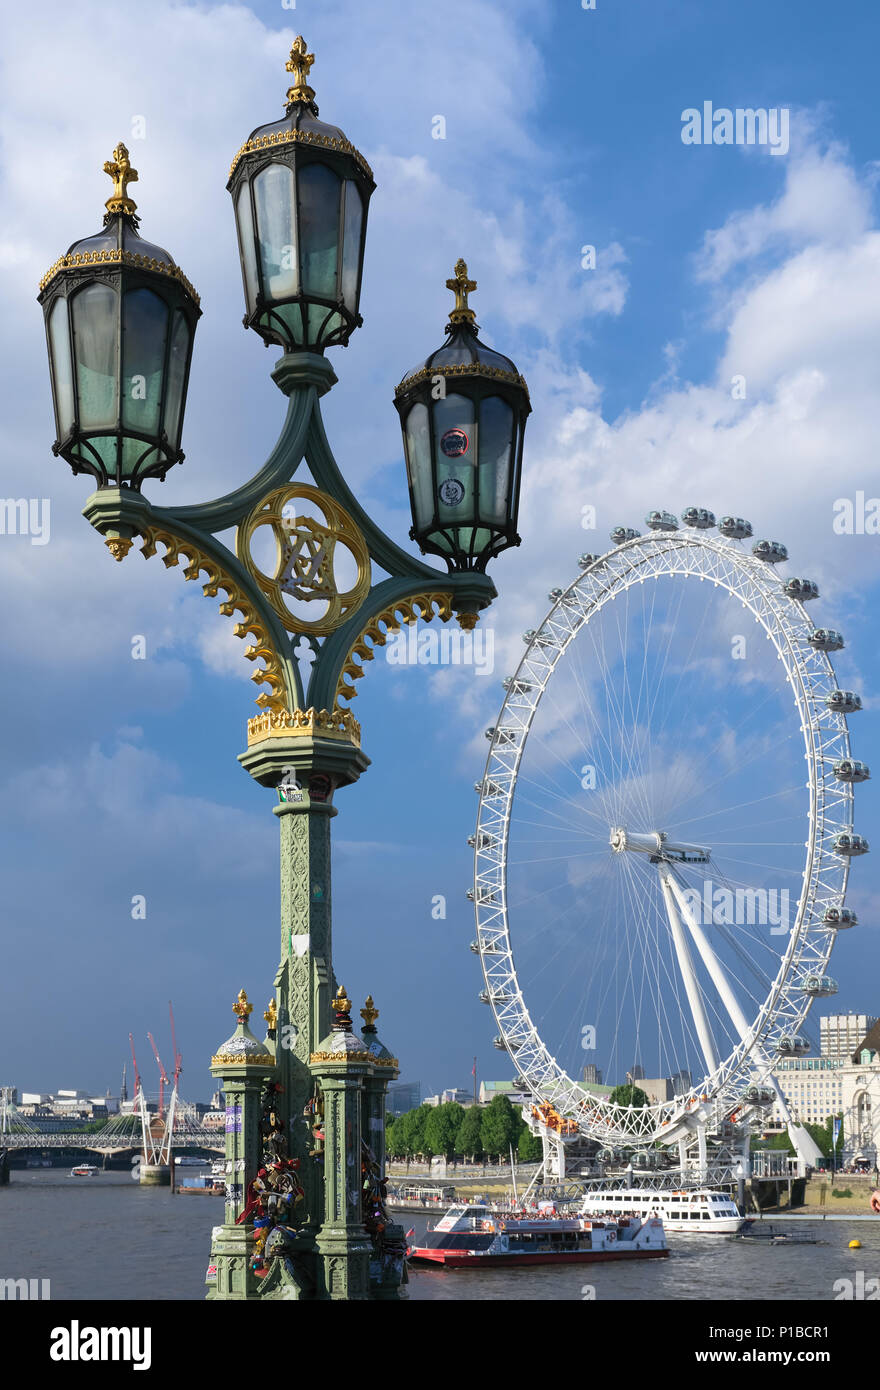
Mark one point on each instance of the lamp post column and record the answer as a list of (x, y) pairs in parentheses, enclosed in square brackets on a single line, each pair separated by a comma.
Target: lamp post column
[(388, 1270), (305, 975), (306, 762), (242, 1066), (340, 1065)]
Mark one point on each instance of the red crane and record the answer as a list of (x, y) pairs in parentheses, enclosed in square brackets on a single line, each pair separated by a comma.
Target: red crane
[(137, 1075), (163, 1079), (178, 1060)]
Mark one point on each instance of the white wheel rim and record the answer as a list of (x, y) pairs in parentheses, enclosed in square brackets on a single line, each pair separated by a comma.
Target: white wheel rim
[(810, 676)]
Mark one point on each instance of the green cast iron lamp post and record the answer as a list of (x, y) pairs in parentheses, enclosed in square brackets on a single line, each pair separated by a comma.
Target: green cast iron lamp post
[(305, 1153)]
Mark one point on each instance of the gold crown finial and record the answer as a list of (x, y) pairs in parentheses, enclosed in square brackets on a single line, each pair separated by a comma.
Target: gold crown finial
[(300, 63), (342, 1003), (461, 287), (242, 1008), (271, 1015), (120, 170), (369, 1013)]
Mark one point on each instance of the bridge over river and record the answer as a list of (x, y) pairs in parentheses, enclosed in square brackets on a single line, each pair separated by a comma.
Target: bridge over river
[(114, 1142)]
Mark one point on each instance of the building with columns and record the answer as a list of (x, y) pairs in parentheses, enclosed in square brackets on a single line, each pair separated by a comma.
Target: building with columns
[(838, 1083)]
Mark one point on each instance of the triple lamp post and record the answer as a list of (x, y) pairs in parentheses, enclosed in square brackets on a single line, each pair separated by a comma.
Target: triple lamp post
[(305, 1209)]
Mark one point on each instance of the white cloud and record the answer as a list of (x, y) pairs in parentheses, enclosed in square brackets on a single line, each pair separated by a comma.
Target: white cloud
[(823, 202)]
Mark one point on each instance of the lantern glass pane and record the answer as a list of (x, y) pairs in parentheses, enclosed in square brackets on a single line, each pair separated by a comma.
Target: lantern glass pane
[(418, 465), (94, 337), (321, 320), (176, 377), (319, 191), (62, 368), (136, 454), (292, 316), (276, 224), (455, 448), (107, 449), (144, 334), (245, 222), (351, 244), (496, 437)]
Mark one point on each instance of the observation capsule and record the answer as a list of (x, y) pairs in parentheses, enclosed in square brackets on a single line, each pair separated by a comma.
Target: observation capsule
[(843, 702), (826, 639), (735, 528), (801, 589), (698, 517), (850, 845), (851, 770), (839, 917), (771, 552), (661, 521)]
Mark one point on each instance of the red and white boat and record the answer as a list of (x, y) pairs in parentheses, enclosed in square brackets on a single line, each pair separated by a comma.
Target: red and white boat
[(472, 1238)]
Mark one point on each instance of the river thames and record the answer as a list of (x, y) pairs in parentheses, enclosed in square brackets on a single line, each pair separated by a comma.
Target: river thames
[(108, 1238)]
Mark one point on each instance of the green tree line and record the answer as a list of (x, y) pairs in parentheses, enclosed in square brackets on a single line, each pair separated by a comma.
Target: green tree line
[(821, 1134), (472, 1134)]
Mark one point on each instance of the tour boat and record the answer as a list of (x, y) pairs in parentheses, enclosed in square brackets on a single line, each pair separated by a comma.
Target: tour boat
[(468, 1238), (698, 1211), (215, 1187), (84, 1170)]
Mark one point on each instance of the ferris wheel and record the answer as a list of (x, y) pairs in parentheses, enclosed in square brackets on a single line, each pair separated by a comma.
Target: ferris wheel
[(664, 834)]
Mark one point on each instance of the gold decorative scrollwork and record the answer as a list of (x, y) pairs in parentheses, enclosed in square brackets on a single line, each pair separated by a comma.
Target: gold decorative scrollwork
[(315, 1057), (247, 1059), (337, 723), (305, 551), (272, 674), (462, 369), (117, 257), (301, 137), (375, 633)]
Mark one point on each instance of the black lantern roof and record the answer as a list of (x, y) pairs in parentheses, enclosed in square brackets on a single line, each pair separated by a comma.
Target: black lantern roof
[(300, 126), (118, 242), (463, 354)]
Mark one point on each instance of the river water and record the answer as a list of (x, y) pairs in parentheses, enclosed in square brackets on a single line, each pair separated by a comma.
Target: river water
[(108, 1238)]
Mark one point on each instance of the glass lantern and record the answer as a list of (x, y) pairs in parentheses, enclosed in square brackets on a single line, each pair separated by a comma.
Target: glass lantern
[(300, 191), (463, 413), (120, 320)]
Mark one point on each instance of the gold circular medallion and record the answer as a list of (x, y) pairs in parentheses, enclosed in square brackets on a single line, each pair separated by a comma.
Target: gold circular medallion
[(305, 549)]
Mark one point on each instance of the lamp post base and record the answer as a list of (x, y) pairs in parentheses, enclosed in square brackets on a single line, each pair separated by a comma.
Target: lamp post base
[(345, 1263)]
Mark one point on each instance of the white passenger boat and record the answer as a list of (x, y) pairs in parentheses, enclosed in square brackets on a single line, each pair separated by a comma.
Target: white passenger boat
[(695, 1211), (469, 1237)]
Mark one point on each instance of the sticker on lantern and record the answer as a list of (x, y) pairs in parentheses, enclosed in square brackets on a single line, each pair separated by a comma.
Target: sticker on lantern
[(450, 492), (454, 443)]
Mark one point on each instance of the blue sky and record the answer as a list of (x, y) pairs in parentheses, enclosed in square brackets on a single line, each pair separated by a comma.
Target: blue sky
[(563, 128)]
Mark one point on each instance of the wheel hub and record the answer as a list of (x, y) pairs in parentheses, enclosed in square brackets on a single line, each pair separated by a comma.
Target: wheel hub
[(658, 845)]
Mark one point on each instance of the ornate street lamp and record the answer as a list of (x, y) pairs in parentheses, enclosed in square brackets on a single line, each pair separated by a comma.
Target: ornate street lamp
[(463, 414), (300, 191), (120, 318)]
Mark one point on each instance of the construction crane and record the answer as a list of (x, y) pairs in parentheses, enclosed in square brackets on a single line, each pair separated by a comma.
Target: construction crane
[(178, 1060), (163, 1078), (137, 1076)]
